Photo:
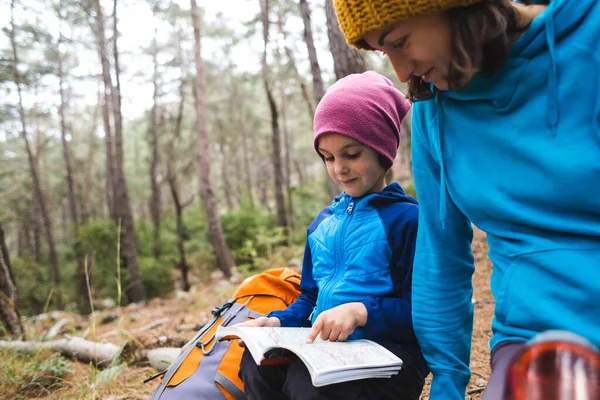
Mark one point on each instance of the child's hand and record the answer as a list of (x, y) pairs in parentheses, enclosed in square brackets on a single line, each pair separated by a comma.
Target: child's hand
[(339, 322), (259, 322)]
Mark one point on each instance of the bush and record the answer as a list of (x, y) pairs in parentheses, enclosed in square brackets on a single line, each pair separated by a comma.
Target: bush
[(34, 285), (155, 276), (251, 233), (245, 223), (98, 239)]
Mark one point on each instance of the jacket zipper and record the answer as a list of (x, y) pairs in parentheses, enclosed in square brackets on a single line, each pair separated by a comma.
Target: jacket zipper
[(339, 257)]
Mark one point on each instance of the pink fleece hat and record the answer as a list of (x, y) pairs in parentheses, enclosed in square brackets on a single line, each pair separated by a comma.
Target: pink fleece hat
[(365, 107)]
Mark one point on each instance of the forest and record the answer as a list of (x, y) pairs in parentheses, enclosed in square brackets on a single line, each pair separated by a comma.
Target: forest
[(152, 154), (184, 149)]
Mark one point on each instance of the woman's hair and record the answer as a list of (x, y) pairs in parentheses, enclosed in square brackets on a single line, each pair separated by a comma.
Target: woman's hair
[(482, 35)]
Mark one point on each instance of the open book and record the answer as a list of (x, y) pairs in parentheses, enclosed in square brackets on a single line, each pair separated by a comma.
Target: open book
[(327, 362)]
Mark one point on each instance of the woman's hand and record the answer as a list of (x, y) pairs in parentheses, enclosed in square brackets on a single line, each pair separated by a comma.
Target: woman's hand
[(259, 322), (338, 323)]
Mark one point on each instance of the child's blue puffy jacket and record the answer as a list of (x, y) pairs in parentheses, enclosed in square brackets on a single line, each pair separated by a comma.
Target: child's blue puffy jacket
[(361, 250)]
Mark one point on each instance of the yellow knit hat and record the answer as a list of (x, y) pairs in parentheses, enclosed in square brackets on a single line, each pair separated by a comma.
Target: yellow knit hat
[(356, 17)]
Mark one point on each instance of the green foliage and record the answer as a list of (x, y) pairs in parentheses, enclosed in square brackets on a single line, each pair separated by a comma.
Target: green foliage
[(198, 249), (155, 276), (34, 284), (101, 238), (98, 240), (31, 375), (245, 223), (256, 253), (251, 233)]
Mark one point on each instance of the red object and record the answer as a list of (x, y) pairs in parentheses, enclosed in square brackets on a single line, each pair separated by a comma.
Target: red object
[(554, 370)]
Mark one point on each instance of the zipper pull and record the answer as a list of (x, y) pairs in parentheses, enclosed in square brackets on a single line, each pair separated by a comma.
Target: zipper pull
[(350, 207), (311, 314)]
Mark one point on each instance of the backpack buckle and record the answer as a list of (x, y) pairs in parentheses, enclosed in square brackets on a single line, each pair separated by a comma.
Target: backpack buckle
[(219, 309), (202, 345)]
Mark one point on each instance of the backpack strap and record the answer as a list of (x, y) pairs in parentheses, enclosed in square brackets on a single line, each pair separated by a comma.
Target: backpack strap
[(188, 347), (201, 345), (230, 386), (254, 315)]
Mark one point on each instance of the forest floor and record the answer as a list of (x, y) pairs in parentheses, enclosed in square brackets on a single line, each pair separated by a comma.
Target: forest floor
[(155, 324)]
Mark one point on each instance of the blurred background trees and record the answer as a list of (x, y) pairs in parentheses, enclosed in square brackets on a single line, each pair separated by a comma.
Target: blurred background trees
[(147, 143)]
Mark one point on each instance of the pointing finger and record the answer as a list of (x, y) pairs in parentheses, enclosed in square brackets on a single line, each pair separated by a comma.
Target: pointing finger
[(316, 328)]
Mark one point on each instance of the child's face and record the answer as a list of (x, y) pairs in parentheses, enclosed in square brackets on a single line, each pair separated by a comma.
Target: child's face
[(353, 167)]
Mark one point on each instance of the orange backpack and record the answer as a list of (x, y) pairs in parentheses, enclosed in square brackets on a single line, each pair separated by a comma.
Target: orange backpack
[(207, 369)]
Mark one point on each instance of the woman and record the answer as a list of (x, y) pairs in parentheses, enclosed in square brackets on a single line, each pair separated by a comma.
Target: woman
[(506, 135)]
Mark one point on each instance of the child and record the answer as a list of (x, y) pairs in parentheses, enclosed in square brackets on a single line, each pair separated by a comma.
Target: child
[(357, 270)]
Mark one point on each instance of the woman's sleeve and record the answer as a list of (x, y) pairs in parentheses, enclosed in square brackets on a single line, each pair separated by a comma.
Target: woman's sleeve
[(442, 311)]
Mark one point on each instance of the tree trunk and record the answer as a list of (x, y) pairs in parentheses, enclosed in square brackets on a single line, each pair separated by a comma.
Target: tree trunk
[(84, 300), (35, 207), (155, 200), (292, 61), (239, 179), (288, 158), (9, 311), (246, 154), (284, 124), (106, 78), (172, 179), (110, 160), (123, 208), (318, 88), (21, 239), (207, 194), (275, 137), (35, 222), (299, 172), (346, 59), (224, 170), (263, 183), (87, 209), (55, 269)]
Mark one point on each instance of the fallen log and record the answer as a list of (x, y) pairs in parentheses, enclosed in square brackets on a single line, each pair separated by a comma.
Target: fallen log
[(56, 328), (162, 357), (101, 354)]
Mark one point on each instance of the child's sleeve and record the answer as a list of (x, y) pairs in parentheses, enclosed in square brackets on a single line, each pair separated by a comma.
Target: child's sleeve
[(441, 287), (298, 313)]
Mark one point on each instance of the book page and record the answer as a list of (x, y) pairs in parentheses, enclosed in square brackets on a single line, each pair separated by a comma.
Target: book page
[(334, 356), (320, 355)]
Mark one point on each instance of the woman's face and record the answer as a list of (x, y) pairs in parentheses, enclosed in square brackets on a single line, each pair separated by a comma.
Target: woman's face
[(418, 46)]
